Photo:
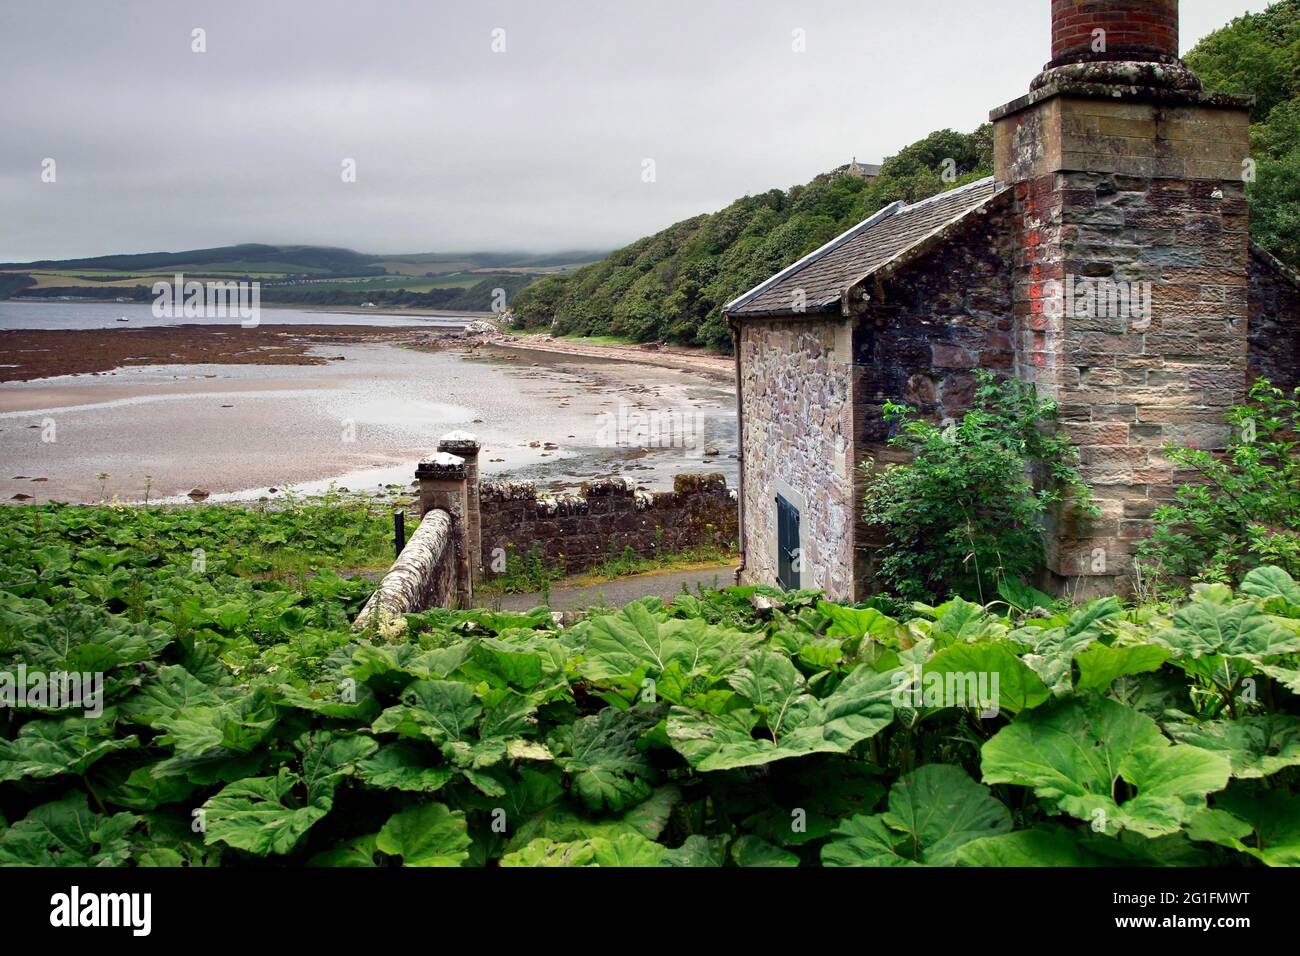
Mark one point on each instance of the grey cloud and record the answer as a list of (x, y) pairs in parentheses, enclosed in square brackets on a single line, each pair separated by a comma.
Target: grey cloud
[(459, 148)]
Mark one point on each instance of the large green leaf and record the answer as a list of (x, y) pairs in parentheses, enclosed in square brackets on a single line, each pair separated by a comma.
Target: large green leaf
[(1101, 664), (751, 851), (131, 783), (697, 851), (403, 766), (172, 690), (794, 723), (1054, 649), (436, 710), (1256, 746), (1271, 583), (933, 811), (67, 833), (390, 667), (49, 747), (1075, 752), (262, 815), (1272, 819), (427, 835), (356, 852), (638, 642), (552, 853), (859, 622), (599, 753), (1026, 848), (327, 758), (981, 677), (238, 725), (1241, 630), (628, 850), (502, 664)]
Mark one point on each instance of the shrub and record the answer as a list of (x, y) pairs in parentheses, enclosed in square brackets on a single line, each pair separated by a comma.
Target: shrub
[(1244, 509), (965, 513)]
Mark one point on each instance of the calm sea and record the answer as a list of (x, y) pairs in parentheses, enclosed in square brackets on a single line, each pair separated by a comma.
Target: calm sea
[(109, 315)]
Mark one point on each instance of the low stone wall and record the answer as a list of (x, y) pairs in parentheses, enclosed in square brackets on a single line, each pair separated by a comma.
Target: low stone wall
[(609, 515), (423, 576)]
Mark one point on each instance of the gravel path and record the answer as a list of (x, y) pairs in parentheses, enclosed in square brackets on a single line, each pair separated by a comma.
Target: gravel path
[(663, 584)]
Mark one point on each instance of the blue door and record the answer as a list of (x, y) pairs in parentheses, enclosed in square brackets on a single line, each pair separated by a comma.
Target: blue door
[(787, 544)]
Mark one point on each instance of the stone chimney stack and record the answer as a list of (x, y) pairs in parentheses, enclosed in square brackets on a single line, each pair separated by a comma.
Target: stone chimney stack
[(1131, 273)]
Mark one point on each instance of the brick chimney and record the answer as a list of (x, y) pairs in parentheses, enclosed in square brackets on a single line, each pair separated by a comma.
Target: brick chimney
[(1131, 274), (1088, 30), (1133, 42)]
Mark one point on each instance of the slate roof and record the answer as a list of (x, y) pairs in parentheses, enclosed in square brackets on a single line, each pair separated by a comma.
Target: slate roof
[(825, 274)]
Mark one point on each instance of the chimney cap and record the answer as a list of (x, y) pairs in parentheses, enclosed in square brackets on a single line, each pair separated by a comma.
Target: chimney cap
[(1119, 42)]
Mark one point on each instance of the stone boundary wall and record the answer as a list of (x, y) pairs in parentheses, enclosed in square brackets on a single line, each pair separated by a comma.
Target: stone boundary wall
[(423, 576), (578, 529)]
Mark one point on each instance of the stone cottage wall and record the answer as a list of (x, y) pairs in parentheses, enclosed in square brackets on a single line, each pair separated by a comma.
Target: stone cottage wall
[(798, 438), (926, 331), (609, 515), (1274, 322)]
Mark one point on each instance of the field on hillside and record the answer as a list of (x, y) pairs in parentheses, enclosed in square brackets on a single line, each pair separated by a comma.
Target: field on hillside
[(243, 723)]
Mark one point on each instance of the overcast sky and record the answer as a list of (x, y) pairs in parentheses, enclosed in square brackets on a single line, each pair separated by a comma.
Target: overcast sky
[(458, 147)]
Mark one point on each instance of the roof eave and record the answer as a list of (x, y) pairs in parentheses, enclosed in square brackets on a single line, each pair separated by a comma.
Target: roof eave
[(917, 250), (813, 256), (1280, 267), (820, 310)]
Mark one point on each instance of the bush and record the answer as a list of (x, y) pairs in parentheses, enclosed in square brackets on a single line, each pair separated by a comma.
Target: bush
[(964, 513), (1244, 511)]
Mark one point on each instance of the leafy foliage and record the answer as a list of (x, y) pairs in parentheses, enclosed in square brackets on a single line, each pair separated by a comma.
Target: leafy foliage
[(700, 733), (963, 515), (1243, 510), (1259, 53)]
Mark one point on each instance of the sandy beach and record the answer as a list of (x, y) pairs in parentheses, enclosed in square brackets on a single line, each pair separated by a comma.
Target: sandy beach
[(239, 412)]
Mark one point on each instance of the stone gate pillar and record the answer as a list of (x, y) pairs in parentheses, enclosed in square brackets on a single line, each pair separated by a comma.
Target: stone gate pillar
[(442, 479), (466, 446)]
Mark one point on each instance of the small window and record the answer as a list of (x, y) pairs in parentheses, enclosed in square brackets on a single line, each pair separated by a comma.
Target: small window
[(787, 544)]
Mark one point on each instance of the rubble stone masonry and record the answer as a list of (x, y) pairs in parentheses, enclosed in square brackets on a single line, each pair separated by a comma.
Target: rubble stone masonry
[(608, 516), (927, 329), (798, 441), (1274, 322)]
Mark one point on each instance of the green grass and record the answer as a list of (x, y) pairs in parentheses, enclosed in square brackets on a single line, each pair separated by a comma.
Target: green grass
[(528, 573)]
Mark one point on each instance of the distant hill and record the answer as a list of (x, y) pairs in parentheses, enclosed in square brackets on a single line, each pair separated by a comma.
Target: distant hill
[(248, 257), (256, 257), (299, 274)]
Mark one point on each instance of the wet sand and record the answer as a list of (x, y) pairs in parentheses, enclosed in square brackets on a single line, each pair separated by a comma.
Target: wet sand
[(348, 405), (27, 354), (701, 361)]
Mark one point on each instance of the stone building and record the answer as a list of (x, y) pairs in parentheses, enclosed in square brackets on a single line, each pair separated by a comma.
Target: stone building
[(1107, 261)]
